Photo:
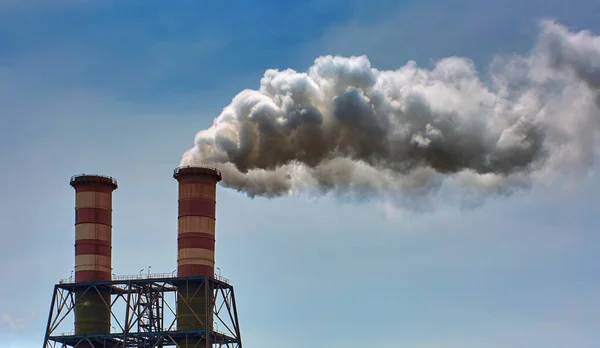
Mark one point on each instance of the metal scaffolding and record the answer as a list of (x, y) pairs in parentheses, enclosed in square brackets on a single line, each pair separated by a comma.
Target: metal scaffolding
[(143, 313)]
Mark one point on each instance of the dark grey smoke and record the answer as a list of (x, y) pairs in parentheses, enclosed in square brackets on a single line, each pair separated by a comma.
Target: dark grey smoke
[(348, 128)]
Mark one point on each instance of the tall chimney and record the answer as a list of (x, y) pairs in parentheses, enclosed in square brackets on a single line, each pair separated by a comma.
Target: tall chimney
[(196, 220), (196, 247), (93, 250)]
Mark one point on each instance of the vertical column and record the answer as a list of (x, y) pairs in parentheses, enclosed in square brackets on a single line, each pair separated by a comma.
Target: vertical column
[(196, 221), (196, 247), (93, 250)]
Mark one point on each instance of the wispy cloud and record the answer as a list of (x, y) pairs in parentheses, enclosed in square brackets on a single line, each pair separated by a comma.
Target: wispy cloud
[(16, 324)]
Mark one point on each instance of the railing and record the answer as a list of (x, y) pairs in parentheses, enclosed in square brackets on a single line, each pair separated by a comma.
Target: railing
[(115, 330), (220, 332), (222, 279), (142, 276)]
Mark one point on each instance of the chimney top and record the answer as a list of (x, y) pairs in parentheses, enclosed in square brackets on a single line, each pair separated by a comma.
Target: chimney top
[(80, 179), (196, 171)]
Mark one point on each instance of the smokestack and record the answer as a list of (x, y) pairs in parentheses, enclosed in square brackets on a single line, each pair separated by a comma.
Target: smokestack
[(93, 261), (196, 246), (196, 220)]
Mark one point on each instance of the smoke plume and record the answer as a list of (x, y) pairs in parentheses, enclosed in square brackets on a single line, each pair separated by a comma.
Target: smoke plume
[(350, 129)]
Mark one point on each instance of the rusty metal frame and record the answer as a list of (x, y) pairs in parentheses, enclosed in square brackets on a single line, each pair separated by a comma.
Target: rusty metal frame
[(126, 295)]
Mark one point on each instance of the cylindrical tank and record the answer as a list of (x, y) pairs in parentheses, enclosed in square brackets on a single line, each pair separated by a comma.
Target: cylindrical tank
[(93, 250), (196, 247)]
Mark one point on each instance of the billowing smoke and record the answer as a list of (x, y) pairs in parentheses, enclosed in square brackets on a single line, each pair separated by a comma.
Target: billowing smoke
[(348, 128)]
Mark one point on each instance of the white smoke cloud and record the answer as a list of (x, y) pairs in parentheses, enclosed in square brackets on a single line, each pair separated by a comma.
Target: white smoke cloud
[(405, 135)]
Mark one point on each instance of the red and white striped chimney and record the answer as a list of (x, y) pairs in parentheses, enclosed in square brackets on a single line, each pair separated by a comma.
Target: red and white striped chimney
[(196, 220), (93, 227)]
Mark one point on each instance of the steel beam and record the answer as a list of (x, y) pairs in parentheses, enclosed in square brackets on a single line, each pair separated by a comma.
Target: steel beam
[(136, 317)]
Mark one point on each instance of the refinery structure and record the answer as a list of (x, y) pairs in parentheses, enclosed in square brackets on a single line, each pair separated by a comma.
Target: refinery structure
[(193, 307)]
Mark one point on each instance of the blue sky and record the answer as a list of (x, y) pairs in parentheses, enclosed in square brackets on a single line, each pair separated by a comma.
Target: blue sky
[(121, 88)]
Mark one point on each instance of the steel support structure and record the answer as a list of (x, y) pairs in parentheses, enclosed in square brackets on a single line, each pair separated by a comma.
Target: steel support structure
[(139, 309)]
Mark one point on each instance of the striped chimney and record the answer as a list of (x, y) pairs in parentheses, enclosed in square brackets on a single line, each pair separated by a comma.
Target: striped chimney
[(196, 220), (93, 250), (196, 248)]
